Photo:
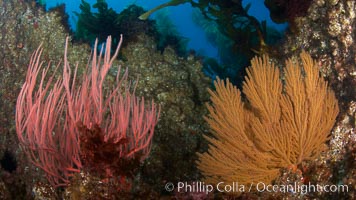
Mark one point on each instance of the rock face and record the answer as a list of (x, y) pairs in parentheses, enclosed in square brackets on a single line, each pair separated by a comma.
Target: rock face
[(23, 26), (180, 87), (327, 32)]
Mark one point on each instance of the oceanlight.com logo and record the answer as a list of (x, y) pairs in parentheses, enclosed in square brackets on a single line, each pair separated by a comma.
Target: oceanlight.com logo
[(302, 189), (235, 187)]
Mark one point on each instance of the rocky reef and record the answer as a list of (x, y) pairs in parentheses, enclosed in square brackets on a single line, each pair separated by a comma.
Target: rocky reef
[(24, 26), (326, 31), (180, 87)]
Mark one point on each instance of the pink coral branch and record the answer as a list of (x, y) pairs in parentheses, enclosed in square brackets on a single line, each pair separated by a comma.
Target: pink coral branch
[(38, 122), (49, 116)]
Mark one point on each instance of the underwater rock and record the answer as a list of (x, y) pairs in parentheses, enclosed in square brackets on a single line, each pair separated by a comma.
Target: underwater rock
[(24, 25), (327, 32), (180, 87)]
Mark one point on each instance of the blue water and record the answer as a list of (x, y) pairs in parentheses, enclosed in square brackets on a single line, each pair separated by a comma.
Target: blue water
[(181, 17)]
